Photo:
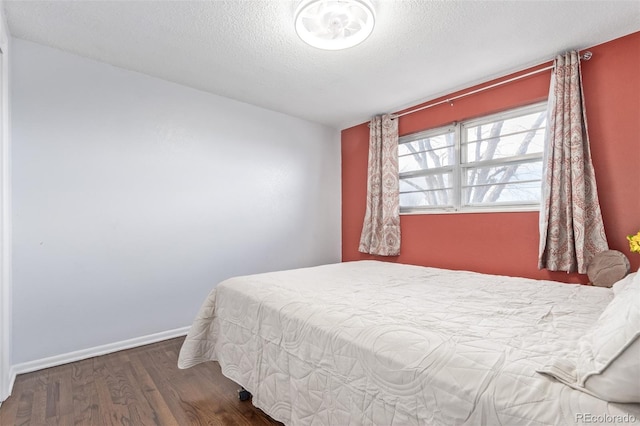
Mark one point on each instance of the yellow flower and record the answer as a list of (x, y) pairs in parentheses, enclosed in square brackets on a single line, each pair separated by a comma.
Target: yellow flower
[(634, 242)]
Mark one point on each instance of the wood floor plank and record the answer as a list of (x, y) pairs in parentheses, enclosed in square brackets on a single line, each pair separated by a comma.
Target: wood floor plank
[(183, 413), (139, 407), (25, 406), (162, 414), (9, 415), (110, 413), (84, 394), (59, 399), (38, 410), (140, 386)]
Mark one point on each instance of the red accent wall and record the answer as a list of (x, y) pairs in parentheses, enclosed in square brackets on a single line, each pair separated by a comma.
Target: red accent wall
[(507, 243)]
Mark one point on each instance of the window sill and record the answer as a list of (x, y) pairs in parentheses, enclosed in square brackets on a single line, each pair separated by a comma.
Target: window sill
[(473, 210)]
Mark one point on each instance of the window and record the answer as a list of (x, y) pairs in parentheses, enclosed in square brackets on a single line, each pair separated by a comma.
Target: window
[(490, 163)]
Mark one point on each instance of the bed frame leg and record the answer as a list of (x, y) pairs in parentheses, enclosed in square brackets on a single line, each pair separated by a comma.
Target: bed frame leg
[(243, 394)]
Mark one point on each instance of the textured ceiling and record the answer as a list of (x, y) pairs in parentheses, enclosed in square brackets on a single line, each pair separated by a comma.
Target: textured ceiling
[(248, 50)]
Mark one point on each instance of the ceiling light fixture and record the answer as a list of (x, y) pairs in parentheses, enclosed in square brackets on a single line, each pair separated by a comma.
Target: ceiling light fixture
[(334, 24)]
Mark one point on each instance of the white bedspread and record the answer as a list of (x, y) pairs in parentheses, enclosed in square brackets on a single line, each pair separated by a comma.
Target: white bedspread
[(378, 343)]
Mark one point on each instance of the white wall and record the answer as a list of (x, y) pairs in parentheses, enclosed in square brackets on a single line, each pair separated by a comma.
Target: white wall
[(6, 378), (133, 197)]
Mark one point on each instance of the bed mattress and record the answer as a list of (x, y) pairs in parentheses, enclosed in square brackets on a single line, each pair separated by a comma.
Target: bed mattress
[(377, 343)]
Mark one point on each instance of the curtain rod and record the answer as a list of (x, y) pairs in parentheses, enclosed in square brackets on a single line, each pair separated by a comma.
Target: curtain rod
[(586, 56)]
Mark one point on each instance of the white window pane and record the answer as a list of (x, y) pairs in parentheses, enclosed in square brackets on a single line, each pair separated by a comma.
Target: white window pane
[(421, 183), (503, 173), (427, 152), (434, 198), (425, 160), (422, 144), (516, 182), (536, 120), (530, 142), (509, 193)]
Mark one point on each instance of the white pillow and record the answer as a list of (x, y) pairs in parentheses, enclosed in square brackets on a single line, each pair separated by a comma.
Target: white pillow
[(618, 286), (608, 364)]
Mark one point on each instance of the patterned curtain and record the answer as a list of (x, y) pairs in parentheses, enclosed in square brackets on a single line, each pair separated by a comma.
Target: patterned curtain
[(381, 228), (571, 228)]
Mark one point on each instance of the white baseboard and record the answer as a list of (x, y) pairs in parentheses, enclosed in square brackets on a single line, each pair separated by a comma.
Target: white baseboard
[(11, 381), (7, 385), (40, 364)]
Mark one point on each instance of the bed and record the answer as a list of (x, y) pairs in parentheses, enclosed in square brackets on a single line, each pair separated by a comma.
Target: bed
[(378, 343)]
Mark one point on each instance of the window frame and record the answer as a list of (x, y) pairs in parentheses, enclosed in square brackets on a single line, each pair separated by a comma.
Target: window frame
[(460, 165)]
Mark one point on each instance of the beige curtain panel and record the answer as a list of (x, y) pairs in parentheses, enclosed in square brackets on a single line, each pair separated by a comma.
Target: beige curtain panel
[(381, 227), (571, 228)]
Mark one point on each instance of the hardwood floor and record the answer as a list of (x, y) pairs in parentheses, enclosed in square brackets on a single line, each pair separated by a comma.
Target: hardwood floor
[(141, 386)]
